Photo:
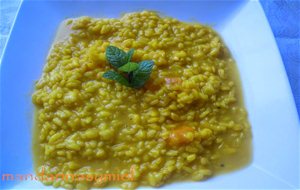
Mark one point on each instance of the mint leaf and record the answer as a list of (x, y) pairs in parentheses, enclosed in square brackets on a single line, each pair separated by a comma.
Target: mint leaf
[(128, 67), (142, 74), (130, 54), (115, 56), (131, 74), (113, 75)]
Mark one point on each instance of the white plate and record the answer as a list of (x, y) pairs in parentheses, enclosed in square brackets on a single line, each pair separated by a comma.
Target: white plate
[(243, 26)]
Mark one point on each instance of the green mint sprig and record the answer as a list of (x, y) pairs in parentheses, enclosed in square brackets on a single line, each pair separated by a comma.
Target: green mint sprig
[(127, 73)]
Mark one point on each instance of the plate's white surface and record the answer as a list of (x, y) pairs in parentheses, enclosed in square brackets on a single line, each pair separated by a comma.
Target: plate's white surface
[(243, 26)]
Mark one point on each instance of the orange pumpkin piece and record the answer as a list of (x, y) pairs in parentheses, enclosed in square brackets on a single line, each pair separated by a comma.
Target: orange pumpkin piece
[(181, 136)]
